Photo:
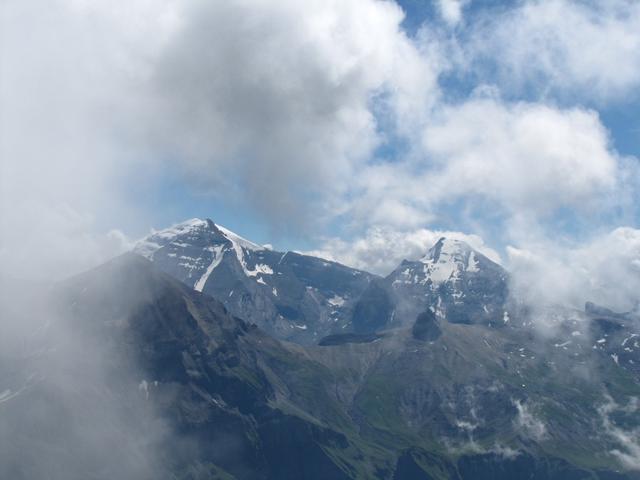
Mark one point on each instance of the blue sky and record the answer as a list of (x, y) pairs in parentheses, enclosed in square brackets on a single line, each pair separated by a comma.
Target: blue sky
[(176, 198), (360, 130)]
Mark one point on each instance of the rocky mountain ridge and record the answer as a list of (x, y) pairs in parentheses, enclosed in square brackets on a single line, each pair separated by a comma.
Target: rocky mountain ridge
[(292, 296)]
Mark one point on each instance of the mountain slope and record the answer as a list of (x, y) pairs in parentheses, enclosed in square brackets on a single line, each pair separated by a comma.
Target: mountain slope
[(292, 296), (205, 395)]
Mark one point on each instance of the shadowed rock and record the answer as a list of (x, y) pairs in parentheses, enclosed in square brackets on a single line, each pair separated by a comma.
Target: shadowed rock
[(341, 339), (426, 327)]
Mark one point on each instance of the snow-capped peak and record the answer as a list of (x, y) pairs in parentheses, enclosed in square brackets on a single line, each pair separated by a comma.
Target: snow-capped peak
[(185, 232), (447, 249), (159, 238), (447, 259)]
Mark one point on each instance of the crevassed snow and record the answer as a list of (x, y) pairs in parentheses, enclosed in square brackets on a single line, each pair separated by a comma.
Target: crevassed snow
[(218, 253)]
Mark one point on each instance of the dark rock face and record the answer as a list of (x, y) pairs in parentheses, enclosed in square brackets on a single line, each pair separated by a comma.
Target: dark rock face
[(374, 308), (292, 296), (173, 358), (426, 327), (496, 467), (416, 464), (408, 469), (342, 339), (591, 308)]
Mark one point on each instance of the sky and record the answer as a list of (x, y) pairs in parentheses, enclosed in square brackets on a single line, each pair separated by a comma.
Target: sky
[(359, 130)]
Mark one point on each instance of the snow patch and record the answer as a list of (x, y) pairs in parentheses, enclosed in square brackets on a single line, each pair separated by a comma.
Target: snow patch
[(259, 268), (217, 253), (472, 263), (336, 301)]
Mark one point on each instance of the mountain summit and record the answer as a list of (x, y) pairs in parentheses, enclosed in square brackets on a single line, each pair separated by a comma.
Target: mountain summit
[(453, 280), (447, 260), (292, 296)]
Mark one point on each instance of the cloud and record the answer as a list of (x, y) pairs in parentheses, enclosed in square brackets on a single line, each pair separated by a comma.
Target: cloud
[(62, 170), (451, 10), (586, 50), (278, 105), (381, 249), (284, 98), (627, 439), (526, 156), (285, 106), (528, 422), (604, 269), (512, 159)]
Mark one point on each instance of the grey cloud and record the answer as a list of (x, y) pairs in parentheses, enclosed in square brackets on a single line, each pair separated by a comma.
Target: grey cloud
[(278, 97)]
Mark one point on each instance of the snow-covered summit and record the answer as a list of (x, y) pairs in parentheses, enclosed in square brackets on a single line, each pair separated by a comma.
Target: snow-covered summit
[(448, 248), (444, 262), (183, 233), (447, 259)]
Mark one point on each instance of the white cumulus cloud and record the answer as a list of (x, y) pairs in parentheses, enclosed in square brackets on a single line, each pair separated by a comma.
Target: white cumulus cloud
[(588, 50)]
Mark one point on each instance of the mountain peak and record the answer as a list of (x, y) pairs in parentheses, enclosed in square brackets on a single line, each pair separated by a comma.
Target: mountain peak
[(237, 239), (159, 238), (447, 248), (186, 232)]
